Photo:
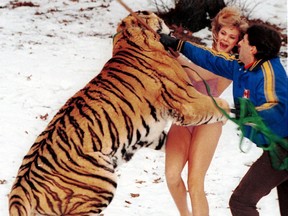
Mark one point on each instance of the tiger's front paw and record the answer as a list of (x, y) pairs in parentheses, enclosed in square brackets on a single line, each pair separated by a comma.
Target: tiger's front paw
[(224, 108)]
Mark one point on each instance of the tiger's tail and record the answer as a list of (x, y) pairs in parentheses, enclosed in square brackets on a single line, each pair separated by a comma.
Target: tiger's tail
[(19, 204)]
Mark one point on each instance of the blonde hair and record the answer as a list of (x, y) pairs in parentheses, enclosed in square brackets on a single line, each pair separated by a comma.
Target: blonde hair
[(228, 16)]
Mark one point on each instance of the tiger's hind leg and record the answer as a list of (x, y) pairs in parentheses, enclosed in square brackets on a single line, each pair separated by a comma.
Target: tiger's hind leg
[(95, 192), (86, 185)]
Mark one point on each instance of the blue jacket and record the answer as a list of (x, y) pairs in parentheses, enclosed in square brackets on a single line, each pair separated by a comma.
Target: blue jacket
[(266, 80)]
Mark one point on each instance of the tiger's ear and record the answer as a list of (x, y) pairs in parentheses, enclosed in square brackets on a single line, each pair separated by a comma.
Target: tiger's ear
[(120, 26)]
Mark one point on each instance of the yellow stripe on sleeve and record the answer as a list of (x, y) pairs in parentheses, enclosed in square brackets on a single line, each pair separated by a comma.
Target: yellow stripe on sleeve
[(269, 86)]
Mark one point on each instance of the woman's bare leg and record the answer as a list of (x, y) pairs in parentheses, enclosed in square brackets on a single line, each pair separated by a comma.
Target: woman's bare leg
[(203, 144), (177, 147)]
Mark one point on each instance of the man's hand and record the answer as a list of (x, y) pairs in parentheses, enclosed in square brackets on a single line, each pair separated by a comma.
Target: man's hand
[(168, 41)]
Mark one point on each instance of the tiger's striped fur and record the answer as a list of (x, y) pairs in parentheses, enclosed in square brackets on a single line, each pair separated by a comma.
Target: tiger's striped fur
[(70, 169)]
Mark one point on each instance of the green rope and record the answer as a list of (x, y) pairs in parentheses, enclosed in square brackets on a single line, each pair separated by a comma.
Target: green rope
[(276, 146)]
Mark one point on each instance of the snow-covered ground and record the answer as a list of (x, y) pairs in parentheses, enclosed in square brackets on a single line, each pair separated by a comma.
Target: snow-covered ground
[(51, 49)]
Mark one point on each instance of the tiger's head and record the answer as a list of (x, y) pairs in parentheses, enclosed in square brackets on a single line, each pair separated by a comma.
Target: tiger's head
[(150, 18), (131, 32)]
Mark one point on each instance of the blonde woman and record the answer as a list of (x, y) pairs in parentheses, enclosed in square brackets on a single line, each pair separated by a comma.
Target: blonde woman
[(196, 145)]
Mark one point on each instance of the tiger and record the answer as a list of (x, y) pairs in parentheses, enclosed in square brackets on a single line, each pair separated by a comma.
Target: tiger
[(71, 168)]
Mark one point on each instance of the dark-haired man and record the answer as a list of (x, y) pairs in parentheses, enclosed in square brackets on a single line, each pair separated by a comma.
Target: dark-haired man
[(259, 75)]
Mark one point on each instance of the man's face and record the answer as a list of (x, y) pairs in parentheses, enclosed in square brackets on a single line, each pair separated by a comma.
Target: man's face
[(246, 52)]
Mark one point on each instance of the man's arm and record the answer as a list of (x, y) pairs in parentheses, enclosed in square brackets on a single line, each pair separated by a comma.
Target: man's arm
[(219, 63)]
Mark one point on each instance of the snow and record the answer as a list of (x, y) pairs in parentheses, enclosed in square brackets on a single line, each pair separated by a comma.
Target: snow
[(50, 51)]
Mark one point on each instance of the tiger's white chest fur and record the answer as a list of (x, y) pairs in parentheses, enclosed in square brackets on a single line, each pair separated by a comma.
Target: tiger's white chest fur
[(154, 140)]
